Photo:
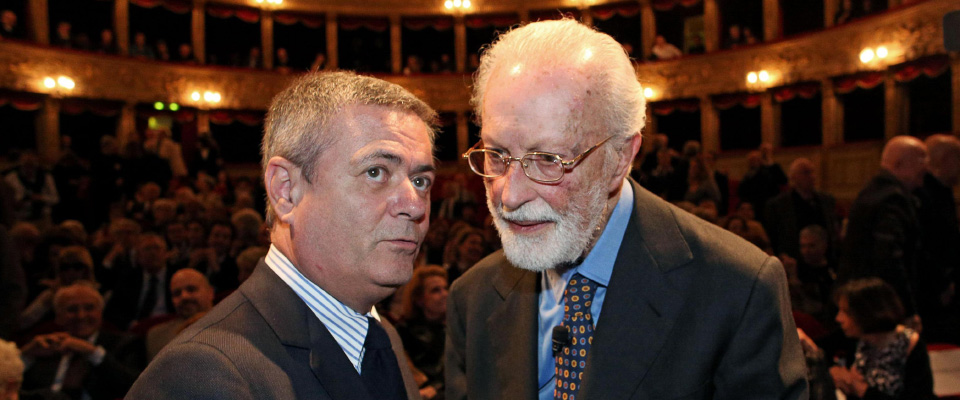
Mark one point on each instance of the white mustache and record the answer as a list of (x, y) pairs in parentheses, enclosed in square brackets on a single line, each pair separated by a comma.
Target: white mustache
[(536, 211)]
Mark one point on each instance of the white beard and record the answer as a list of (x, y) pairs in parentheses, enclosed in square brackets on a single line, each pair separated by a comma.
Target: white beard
[(563, 243)]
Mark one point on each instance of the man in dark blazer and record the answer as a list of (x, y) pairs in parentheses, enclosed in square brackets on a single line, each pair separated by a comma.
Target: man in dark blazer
[(799, 207), (348, 166), (133, 300), (82, 361), (688, 310)]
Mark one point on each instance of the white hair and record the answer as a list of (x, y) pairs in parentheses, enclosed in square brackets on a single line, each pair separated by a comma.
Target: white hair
[(11, 366), (568, 44)]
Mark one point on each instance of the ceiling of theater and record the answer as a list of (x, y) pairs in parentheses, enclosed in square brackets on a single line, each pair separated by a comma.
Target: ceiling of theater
[(430, 7)]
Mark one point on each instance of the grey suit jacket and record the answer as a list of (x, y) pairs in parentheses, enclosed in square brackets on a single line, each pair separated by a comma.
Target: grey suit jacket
[(691, 312), (261, 342)]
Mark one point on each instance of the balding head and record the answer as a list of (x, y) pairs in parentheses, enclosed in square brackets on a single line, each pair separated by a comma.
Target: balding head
[(906, 158), (802, 175), (944, 158), (191, 292)]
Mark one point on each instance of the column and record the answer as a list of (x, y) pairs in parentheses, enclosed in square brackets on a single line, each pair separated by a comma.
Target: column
[(266, 38), (771, 20), (460, 43), (648, 28), (121, 25), (332, 52), (197, 32), (830, 12), (832, 111), (203, 122), (955, 72), (463, 132), (39, 13), (127, 126), (396, 44), (650, 128), (585, 16), (892, 112), (48, 131), (709, 125), (769, 119), (711, 25), (524, 14)]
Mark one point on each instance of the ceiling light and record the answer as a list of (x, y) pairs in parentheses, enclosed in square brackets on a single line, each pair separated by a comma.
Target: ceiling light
[(752, 77), (866, 55), (882, 52), (648, 93), (764, 76), (49, 83), (65, 82)]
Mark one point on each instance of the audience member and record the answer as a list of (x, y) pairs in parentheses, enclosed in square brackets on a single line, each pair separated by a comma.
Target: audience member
[(763, 178), (192, 295), (664, 51), (74, 264), (696, 45), (423, 327), (108, 45), (84, 361), (891, 361), (254, 59), (145, 287), (883, 235), (281, 62), (700, 183), (845, 12), (63, 37), (185, 54), (465, 249), (940, 237), (216, 260), (816, 271), (247, 261), (748, 36), (734, 39), (11, 371), (163, 51), (8, 26), (34, 190), (13, 285), (802, 205), (140, 49)]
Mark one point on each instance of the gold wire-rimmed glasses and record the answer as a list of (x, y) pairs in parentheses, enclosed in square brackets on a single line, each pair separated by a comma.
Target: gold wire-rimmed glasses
[(537, 165)]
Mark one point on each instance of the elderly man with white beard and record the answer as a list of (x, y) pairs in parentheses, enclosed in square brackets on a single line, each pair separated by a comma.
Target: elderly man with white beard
[(688, 310)]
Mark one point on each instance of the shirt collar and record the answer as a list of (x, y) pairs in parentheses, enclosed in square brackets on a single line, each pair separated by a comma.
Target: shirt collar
[(598, 264)]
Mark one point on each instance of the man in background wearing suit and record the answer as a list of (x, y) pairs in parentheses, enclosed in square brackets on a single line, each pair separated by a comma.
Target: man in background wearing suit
[(348, 166), (688, 310)]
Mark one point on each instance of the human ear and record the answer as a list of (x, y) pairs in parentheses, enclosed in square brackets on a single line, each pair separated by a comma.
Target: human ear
[(625, 155), (284, 185)]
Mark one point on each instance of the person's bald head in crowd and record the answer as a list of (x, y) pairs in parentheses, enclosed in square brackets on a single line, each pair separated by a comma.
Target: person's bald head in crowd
[(802, 176), (813, 245), (78, 309), (944, 158), (906, 158), (191, 293)]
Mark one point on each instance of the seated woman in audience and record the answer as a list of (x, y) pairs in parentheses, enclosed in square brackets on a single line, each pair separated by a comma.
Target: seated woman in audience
[(73, 264), (891, 361), (466, 249), (423, 328)]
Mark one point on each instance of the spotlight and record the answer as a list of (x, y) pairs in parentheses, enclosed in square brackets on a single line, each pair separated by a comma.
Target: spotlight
[(866, 55)]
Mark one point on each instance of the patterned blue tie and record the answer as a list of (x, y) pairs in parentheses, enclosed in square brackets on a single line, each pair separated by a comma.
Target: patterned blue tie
[(571, 362)]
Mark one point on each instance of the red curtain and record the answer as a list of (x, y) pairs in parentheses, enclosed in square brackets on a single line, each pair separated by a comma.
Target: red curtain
[(420, 23), (21, 101), (373, 24), (804, 90), (227, 117), (244, 14), (667, 5), (866, 80), (177, 6), (727, 101), (669, 107), (496, 20), (81, 106), (608, 11), (929, 66), (313, 21)]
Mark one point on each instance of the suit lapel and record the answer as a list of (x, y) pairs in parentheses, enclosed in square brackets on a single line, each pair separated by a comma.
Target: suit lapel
[(513, 331), (641, 305), (296, 326)]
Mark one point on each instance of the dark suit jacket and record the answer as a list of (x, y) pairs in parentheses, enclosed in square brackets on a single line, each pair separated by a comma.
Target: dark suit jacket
[(124, 304), (691, 312), (261, 342), (783, 227), (109, 380), (883, 238)]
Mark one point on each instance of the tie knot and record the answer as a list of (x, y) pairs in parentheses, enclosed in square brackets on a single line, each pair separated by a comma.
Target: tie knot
[(580, 290)]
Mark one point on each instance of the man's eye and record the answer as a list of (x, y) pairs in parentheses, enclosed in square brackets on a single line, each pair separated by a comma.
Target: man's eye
[(376, 173), (422, 182)]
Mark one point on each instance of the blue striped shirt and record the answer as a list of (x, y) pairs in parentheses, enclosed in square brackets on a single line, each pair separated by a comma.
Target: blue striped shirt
[(348, 327)]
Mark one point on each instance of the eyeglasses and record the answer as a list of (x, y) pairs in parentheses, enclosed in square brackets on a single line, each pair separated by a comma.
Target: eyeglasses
[(538, 166)]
